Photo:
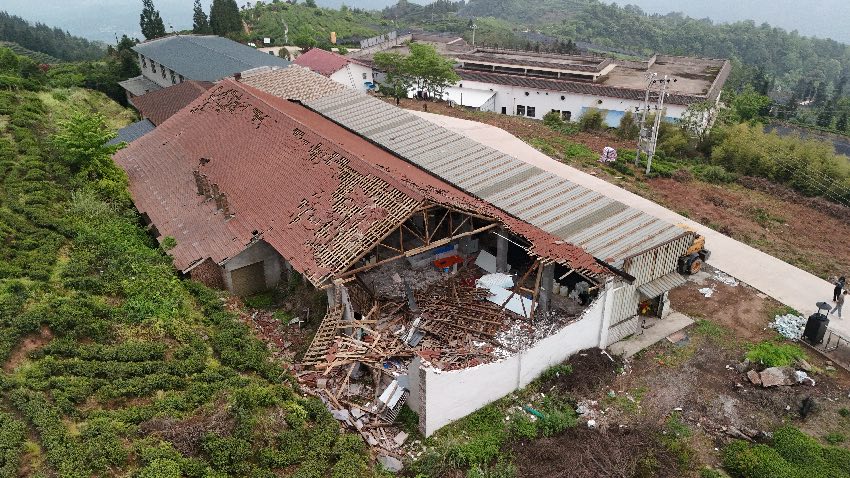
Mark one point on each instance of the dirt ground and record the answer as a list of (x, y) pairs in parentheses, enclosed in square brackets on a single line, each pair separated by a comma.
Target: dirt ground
[(789, 227), (31, 342), (812, 234), (695, 380)]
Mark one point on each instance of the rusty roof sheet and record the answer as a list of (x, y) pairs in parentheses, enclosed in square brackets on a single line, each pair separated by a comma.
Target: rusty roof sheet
[(316, 192), (323, 62), (158, 106)]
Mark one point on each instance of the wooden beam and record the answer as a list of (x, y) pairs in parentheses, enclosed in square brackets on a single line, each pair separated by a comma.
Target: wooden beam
[(447, 240), (516, 287), (536, 293)]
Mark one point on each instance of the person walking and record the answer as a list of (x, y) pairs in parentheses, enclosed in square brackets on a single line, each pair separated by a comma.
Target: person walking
[(839, 286), (838, 304)]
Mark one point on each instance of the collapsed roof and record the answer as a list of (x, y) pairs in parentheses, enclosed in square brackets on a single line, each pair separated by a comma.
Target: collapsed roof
[(609, 230), (238, 165)]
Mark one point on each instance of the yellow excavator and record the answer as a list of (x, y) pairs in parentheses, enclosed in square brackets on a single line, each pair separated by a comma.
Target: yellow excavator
[(692, 260)]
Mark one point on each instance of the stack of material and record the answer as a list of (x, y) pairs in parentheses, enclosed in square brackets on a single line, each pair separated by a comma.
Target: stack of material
[(789, 326)]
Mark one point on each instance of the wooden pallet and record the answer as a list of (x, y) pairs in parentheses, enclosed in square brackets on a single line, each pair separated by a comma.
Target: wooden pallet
[(324, 337)]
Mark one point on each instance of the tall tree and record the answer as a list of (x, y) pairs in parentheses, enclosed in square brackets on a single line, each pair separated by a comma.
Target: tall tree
[(200, 21), (841, 126), (224, 17), (150, 21)]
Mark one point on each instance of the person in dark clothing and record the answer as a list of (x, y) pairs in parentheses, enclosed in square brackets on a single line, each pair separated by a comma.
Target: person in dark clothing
[(839, 286)]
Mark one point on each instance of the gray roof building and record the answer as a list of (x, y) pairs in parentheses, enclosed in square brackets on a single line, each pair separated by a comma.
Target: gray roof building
[(205, 57), (132, 132), (139, 85)]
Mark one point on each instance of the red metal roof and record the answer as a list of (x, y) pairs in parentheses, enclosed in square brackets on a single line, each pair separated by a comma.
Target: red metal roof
[(158, 106), (316, 192), (321, 61)]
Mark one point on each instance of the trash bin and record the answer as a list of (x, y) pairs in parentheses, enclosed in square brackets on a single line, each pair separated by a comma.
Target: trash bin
[(815, 328)]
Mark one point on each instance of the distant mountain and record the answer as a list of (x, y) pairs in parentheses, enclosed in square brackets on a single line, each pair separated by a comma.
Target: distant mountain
[(818, 18), (32, 39), (105, 20)]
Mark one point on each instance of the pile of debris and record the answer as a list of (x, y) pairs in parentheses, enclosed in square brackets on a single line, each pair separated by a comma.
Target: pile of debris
[(789, 326)]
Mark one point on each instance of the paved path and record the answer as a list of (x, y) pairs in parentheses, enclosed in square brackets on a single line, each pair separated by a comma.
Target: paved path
[(671, 324), (787, 284)]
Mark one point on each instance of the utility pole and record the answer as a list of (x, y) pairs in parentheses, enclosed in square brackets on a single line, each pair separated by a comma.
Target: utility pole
[(659, 110), (648, 139), (643, 135), (474, 26)]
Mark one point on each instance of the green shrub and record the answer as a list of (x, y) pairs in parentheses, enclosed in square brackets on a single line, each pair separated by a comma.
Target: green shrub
[(743, 460), (591, 120), (578, 151), (263, 300), (501, 469), (715, 174), (772, 354), (629, 127), (230, 455), (553, 120), (522, 427), (835, 438), (485, 431)]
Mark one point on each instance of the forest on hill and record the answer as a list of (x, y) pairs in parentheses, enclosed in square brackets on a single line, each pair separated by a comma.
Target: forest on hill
[(49, 40)]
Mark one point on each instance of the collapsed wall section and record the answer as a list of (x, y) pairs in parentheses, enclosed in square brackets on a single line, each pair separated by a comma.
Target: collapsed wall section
[(443, 397)]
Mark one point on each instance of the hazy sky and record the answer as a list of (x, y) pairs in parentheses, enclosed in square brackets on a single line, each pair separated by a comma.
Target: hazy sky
[(820, 18), (104, 19)]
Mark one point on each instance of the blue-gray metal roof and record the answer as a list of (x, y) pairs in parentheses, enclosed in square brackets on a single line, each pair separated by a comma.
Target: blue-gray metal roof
[(139, 85), (132, 132), (609, 230), (206, 57)]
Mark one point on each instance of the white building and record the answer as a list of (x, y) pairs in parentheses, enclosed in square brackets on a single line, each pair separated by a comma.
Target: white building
[(343, 70), (533, 84)]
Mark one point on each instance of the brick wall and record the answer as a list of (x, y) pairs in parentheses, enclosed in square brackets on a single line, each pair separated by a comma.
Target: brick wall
[(208, 273)]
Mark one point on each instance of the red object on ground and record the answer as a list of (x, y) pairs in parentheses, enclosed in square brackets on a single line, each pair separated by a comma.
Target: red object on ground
[(447, 262)]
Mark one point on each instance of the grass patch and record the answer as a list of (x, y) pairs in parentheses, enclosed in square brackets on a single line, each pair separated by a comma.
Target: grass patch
[(791, 454), (711, 330), (773, 354), (835, 438)]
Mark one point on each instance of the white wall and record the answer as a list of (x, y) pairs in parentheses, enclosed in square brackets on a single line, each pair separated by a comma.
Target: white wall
[(544, 101), (157, 78), (352, 76), (449, 396)]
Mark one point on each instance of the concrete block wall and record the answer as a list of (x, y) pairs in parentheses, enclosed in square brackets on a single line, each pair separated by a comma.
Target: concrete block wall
[(444, 397), (259, 251)]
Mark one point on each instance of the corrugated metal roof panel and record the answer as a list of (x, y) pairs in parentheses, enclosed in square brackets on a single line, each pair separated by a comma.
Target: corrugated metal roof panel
[(661, 285), (607, 229)]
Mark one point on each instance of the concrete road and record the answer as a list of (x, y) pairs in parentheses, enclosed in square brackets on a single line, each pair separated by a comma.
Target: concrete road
[(787, 284)]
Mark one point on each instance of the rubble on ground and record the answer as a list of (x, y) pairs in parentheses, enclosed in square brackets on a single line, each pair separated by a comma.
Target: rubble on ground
[(445, 318), (725, 278), (789, 326)]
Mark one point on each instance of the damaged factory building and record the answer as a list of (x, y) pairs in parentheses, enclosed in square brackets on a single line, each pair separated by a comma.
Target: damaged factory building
[(455, 274)]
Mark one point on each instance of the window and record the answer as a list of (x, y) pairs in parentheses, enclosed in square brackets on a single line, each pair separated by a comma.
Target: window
[(173, 78), (504, 110), (530, 112), (520, 110), (557, 111), (181, 78), (162, 68), (567, 115), (144, 62), (364, 76), (153, 66)]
